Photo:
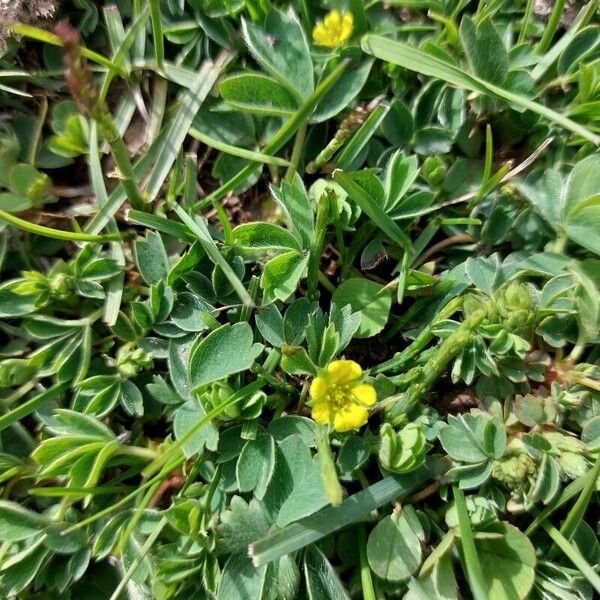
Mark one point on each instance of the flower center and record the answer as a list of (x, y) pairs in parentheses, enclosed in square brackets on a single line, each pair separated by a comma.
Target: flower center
[(339, 396)]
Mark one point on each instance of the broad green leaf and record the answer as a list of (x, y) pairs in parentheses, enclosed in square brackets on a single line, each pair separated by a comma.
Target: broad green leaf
[(344, 91), (393, 548), (211, 358), (281, 275), (400, 174), (258, 94), (281, 48), (298, 212), (256, 465), (369, 299), (508, 563), (241, 580), (18, 523), (583, 223), (307, 495), (151, 258), (255, 239), (184, 419), (322, 582), (484, 49), (581, 184), (361, 187)]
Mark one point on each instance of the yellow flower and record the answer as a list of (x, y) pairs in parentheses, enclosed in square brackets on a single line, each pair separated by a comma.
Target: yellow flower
[(339, 397), (335, 29)]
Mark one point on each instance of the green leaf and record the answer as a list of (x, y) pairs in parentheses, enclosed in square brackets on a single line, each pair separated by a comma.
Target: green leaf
[(281, 275), (344, 91), (298, 212), (241, 580), (281, 48), (18, 523), (484, 49), (508, 563), (242, 523), (184, 419), (322, 582), (400, 174), (369, 299), (151, 258), (580, 184), (258, 94), (393, 548), (211, 358), (307, 495), (360, 188), (256, 465), (256, 239), (582, 224)]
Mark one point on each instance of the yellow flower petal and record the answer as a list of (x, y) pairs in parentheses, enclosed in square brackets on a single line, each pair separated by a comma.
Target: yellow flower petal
[(318, 388), (343, 371), (320, 413), (365, 394), (347, 27), (352, 417), (333, 20), (321, 35)]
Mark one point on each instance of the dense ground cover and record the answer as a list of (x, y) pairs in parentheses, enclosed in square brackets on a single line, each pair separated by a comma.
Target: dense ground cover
[(299, 299)]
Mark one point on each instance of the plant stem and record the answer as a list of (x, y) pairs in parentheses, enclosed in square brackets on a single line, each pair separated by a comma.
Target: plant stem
[(400, 359), (551, 27), (296, 153), (469, 551), (57, 234), (366, 579), (316, 247), (333, 489)]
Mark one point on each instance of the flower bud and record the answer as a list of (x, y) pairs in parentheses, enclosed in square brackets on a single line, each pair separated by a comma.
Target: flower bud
[(403, 451)]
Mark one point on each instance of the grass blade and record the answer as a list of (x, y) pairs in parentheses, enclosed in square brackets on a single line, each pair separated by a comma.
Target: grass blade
[(573, 555), (467, 541), (416, 60), (354, 509), (258, 157), (180, 125), (31, 405), (359, 140)]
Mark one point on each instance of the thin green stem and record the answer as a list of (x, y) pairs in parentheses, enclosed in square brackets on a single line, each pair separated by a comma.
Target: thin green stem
[(331, 483), (297, 150), (316, 247), (37, 132), (551, 27), (366, 578), (110, 509), (57, 234), (472, 565), (525, 21)]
